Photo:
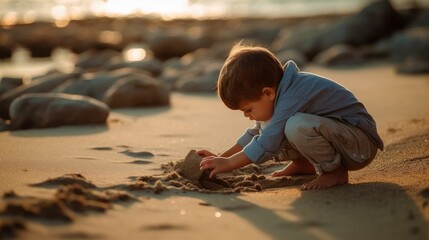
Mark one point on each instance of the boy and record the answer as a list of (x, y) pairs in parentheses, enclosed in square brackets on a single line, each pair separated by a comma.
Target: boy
[(314, 122)]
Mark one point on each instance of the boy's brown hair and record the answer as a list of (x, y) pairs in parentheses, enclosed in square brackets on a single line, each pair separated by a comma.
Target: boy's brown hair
[(246, 71)]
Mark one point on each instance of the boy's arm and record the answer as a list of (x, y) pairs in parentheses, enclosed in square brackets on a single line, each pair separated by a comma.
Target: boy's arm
[(224, 164), (232, 150)]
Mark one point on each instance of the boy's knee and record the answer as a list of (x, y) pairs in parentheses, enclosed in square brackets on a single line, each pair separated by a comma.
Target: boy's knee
[(298, 127)]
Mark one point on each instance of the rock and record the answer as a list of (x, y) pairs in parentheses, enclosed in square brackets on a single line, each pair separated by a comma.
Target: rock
[(96, 59), (294, 55), (380, 49), (412, 42), (137, 91), (413, 65), (174, 63), (42, 85), (169, 77), (153, 66), (43, 110), (200, 79), (339, 55), (5, 51), (302, 38), (40, 38), (422, 20), (9, 83), (168, 45), (376, 21), (95, 85)]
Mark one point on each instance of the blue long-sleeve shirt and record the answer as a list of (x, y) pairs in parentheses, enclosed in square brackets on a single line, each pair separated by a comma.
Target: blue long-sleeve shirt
[(307, 93)]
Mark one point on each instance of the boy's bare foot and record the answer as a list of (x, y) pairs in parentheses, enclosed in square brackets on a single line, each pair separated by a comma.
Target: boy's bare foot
[(297, 167), (329, 179)]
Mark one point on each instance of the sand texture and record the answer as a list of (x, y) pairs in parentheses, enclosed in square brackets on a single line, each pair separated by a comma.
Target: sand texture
[(138, 178)]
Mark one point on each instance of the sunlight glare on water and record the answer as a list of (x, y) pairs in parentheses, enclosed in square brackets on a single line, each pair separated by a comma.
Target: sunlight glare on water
[(164, 8), (61, 12), (134, 54)]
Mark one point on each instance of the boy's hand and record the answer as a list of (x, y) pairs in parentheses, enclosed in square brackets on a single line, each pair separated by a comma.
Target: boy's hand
[(217, 164), (205, 153), (224, 164)]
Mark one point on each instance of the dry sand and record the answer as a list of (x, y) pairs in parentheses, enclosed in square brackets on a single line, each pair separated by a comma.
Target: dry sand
[(121, 189)]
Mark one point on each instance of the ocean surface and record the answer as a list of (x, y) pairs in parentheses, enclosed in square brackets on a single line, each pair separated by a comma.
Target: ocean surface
[(28, 11)]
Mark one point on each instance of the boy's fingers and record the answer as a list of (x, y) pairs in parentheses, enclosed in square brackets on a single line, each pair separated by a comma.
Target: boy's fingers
[(204, 162), (205, 153), (205, 166), (213, 173)]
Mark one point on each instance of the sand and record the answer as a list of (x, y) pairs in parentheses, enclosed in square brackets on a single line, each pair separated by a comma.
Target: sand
[(119, 181)]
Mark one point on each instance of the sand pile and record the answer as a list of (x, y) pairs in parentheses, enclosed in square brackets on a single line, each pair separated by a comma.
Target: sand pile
[(67, 201), (11, 227), (67, 179), (186, 175)]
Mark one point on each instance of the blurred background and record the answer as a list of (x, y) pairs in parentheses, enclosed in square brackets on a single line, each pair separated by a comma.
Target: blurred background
[(27, 11), (182, 44)]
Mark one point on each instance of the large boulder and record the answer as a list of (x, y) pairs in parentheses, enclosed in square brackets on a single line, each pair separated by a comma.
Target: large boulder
[(94, 85), (412, 42), (294, 55), (41, 85), (200, 78), (9, 83), (137, 91), (167, 45), (377, 20), (43, 110), (414, 65), (96, 59), (339, 55), (154, 66)]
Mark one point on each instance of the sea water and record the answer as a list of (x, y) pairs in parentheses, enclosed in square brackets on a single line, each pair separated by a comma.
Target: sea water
[(28, 11)]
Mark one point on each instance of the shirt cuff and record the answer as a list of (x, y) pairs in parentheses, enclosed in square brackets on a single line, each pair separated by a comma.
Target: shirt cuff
[(244, 139), (254, 151)]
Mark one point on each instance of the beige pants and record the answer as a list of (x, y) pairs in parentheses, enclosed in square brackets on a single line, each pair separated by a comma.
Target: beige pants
[(326, 143)]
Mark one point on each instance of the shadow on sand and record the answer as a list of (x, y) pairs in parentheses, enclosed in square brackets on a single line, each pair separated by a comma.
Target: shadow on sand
[(358, 211)]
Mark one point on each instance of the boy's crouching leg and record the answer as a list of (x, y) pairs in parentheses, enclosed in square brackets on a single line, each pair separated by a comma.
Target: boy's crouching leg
[(305, 133)]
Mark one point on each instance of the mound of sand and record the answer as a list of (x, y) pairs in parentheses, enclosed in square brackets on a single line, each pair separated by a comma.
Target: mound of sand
[(10, 227), (67, 179), (67, 201), (186, 175)]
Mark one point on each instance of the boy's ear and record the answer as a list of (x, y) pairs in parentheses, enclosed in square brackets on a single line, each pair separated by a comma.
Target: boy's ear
[(269, 92)]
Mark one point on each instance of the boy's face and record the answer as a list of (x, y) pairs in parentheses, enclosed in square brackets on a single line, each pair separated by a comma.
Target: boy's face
[(261, 109)]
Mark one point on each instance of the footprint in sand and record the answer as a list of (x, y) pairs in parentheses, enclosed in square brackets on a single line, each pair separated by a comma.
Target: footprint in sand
[(164, 226), (127, 151), (123, 146), (142, 154), (85, 158), (140, 162), (102, 148)]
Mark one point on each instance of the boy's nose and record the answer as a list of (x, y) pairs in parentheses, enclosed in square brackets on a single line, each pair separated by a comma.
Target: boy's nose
[(247, 115)]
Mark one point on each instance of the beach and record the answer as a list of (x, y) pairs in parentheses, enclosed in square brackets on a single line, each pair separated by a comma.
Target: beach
[(386, 200), (100, 117)]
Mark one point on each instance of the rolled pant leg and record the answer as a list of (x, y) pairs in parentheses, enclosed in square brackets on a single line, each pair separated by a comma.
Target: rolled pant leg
[(328, 143)]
